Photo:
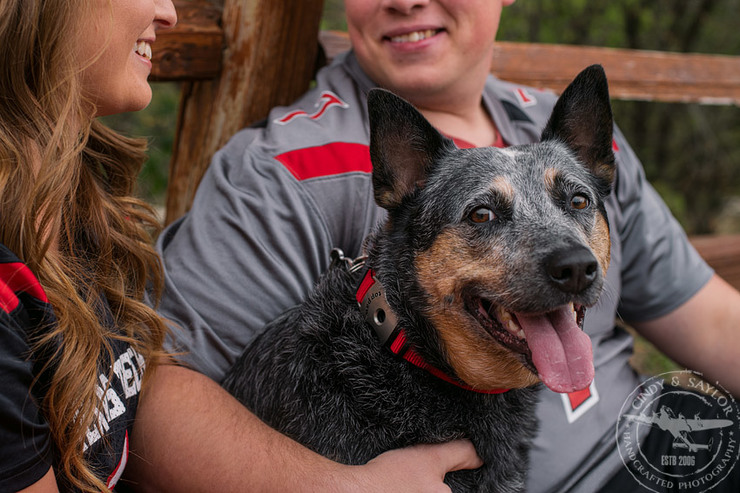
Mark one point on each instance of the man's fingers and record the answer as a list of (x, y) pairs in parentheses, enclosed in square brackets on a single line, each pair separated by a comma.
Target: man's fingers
[(455, 455), (416, 469)]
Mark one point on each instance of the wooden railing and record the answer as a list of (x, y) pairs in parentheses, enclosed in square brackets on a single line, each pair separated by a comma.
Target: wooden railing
[(195, 50), (239, 58)]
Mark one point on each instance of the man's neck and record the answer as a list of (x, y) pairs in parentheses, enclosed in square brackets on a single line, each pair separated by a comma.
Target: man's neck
[(474, 126)]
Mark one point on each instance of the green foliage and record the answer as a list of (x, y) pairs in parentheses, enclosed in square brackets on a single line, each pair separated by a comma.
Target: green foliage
[(647, 360), (333, 16), (156, 123), (690, 152)]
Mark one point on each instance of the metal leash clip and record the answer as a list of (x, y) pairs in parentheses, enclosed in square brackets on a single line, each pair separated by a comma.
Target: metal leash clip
[(353, 265)]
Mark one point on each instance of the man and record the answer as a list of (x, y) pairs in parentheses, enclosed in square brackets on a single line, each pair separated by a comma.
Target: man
[(277, 198)]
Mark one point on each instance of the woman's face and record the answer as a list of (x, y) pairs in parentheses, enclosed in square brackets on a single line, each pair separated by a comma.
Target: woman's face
[(116, 49)]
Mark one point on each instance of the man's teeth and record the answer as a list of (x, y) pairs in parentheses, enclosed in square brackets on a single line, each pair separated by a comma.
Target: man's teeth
[(414, 36), (144, 49)]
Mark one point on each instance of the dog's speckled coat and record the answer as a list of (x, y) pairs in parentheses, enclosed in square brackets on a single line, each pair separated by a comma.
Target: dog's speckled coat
[(319, 374)]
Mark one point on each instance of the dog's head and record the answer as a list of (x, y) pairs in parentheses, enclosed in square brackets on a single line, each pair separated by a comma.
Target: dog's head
[(506, 247)]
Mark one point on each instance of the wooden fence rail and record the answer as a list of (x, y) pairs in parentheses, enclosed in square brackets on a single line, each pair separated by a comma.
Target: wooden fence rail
[(194, 50), (239, 58), (633, 74)]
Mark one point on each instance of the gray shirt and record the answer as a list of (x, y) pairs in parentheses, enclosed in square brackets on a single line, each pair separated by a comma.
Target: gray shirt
[(278, 197)]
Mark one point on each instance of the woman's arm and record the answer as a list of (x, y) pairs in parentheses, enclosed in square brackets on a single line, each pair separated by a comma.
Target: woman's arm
[(47, 484)]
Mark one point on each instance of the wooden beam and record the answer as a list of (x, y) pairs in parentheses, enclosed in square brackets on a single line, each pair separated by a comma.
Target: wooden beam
[(192, 50), (268, 58), (632, 74)]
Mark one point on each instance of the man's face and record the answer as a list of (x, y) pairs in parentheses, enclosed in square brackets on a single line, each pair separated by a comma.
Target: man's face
[(418, 48)]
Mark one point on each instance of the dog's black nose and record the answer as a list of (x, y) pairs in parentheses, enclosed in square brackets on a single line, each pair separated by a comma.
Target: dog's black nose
[(572, 269)]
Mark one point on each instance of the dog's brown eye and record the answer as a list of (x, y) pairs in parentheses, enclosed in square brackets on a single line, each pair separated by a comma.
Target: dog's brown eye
[(579, 202), (482, 215)]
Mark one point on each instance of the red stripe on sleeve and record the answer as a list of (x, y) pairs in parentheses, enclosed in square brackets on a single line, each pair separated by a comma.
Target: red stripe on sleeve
[(327, 160), (8, 299), (16, 277)]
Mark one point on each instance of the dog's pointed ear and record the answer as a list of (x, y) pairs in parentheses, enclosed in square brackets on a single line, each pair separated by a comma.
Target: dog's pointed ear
[(403, 147), (582, 119)]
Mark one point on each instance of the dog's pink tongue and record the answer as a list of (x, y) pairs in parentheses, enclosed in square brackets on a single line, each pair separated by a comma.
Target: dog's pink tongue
[(561, 351)]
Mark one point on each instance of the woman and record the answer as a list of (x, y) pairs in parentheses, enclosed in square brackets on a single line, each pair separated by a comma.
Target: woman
[(75, 250)]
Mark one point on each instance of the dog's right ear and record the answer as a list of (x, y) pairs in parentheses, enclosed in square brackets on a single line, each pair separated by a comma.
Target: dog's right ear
[(582, 119), (403, 147)]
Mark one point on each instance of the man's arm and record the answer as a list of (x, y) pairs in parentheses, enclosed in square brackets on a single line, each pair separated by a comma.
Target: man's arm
[(703, 334), (191, 435)]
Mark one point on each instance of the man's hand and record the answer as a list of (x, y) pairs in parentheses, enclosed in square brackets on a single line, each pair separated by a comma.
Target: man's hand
[(420, 468)]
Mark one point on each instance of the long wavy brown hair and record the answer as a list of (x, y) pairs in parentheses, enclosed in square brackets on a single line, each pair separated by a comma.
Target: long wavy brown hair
[(67, 211)]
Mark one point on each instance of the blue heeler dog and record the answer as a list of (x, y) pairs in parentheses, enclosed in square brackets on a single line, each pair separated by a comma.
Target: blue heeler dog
[(471, 293)]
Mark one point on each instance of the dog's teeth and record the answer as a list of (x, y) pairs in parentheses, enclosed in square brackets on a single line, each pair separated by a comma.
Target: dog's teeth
[(515, 330), (573, 311), (507, 320)]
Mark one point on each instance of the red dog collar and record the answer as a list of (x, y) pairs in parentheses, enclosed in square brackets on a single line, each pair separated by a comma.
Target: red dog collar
[(378, 314)]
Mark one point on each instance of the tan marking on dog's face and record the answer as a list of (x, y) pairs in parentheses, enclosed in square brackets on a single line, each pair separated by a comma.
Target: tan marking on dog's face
[(477, 358), (501, 185), (600, 243), (549, 178)]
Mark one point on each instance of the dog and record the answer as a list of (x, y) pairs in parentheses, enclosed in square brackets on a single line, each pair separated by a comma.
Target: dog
[(471, 293)]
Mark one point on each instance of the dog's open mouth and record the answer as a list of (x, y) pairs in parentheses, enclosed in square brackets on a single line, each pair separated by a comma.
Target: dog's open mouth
[(552, 344)]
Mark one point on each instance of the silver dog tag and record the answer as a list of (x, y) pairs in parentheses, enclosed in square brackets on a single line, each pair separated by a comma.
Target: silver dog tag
[(377, 312)]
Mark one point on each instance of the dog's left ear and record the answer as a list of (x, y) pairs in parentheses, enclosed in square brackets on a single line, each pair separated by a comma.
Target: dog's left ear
[(403, 147), (582, 119)]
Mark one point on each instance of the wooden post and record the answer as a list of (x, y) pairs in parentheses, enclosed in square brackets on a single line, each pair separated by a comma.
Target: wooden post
[(268, 58)]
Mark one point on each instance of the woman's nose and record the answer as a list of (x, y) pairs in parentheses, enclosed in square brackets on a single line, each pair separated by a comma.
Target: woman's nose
[(165, 15)]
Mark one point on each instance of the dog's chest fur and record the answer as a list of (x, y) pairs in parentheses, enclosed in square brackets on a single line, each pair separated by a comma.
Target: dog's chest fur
[(320, 375)]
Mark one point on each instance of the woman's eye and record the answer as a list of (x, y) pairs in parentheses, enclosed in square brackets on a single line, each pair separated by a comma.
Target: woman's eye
[(482, 215), (579, 202)]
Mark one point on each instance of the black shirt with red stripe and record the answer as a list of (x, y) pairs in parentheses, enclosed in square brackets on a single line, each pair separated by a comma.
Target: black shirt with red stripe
[(26, 448)]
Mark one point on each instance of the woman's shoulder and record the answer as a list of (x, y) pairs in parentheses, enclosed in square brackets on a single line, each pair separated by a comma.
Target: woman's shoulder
[(24, 307), (6, 255), (18, 285), (25, 443)]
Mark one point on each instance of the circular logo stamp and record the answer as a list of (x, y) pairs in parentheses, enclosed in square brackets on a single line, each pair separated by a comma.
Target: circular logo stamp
[(695, 430)]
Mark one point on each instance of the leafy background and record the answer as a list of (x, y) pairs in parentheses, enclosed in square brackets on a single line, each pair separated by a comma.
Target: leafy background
[(691, 152)]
